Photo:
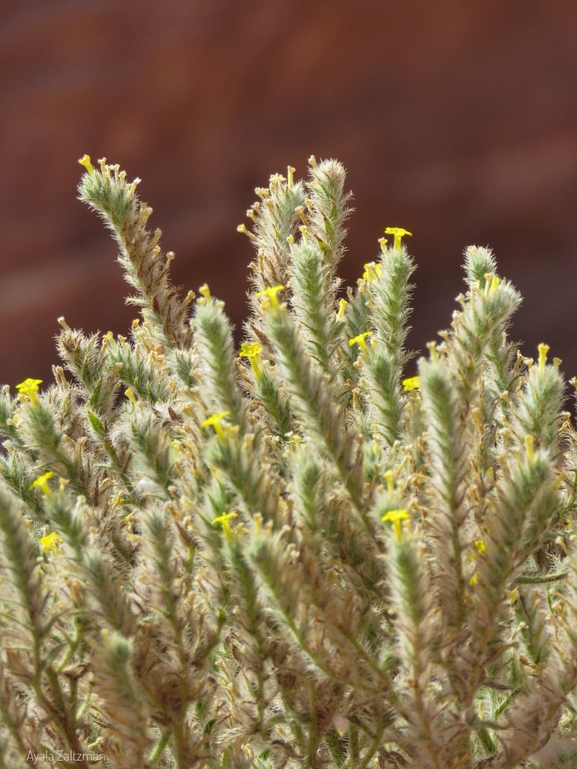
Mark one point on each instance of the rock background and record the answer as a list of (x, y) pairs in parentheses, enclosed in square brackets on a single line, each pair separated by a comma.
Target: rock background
[(456, 120)]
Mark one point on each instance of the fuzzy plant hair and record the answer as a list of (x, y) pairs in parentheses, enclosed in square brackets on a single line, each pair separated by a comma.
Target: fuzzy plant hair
[(300, 553)]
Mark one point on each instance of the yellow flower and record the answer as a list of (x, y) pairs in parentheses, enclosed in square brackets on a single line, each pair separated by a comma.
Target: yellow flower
[(389, 477), (481, 546), (42, 483), (342, 309), (360, 340), (372, 271), (399, 233), (513, 595), (252, 352), (204, 290), (411, 383), (215, 421), (473, 580), (224, 519), (271, 296), (85, 161), (543, 350), (249, 350), (396, 516), (29, 387), (50, 542)]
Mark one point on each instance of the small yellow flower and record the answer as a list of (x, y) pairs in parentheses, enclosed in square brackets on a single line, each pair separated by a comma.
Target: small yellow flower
[(396, 516), (412, 383), (342, 309), (389, 477), (29, 387), (224, 519), (50, 542), (252, 352), (372, 271), (473, 580), (360, 339), (491, 282), (270, 295), (204, 290), (215, 421), (513, 595), (481, 546), (85, 161), (42, 483), (543, 350), (398, 233), (249, 350), (432, 347)]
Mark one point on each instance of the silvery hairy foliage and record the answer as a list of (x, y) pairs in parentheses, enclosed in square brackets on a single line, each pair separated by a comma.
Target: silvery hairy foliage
[(306, 552)]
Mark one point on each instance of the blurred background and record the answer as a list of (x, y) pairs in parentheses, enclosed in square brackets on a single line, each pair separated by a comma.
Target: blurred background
[(456, 120)]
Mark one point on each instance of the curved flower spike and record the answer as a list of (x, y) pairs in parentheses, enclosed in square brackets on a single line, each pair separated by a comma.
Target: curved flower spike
[(271, 296), (224, 519), (215, 421), (398, 233)]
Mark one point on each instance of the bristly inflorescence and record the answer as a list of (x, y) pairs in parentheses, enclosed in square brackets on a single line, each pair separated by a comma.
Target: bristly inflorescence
[(299, 552)]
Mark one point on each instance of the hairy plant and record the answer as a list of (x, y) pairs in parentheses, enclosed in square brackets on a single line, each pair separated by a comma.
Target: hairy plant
[(295, 554)]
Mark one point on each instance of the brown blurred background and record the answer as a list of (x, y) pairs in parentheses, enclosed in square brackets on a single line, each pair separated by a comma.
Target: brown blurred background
[(456, 119)]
